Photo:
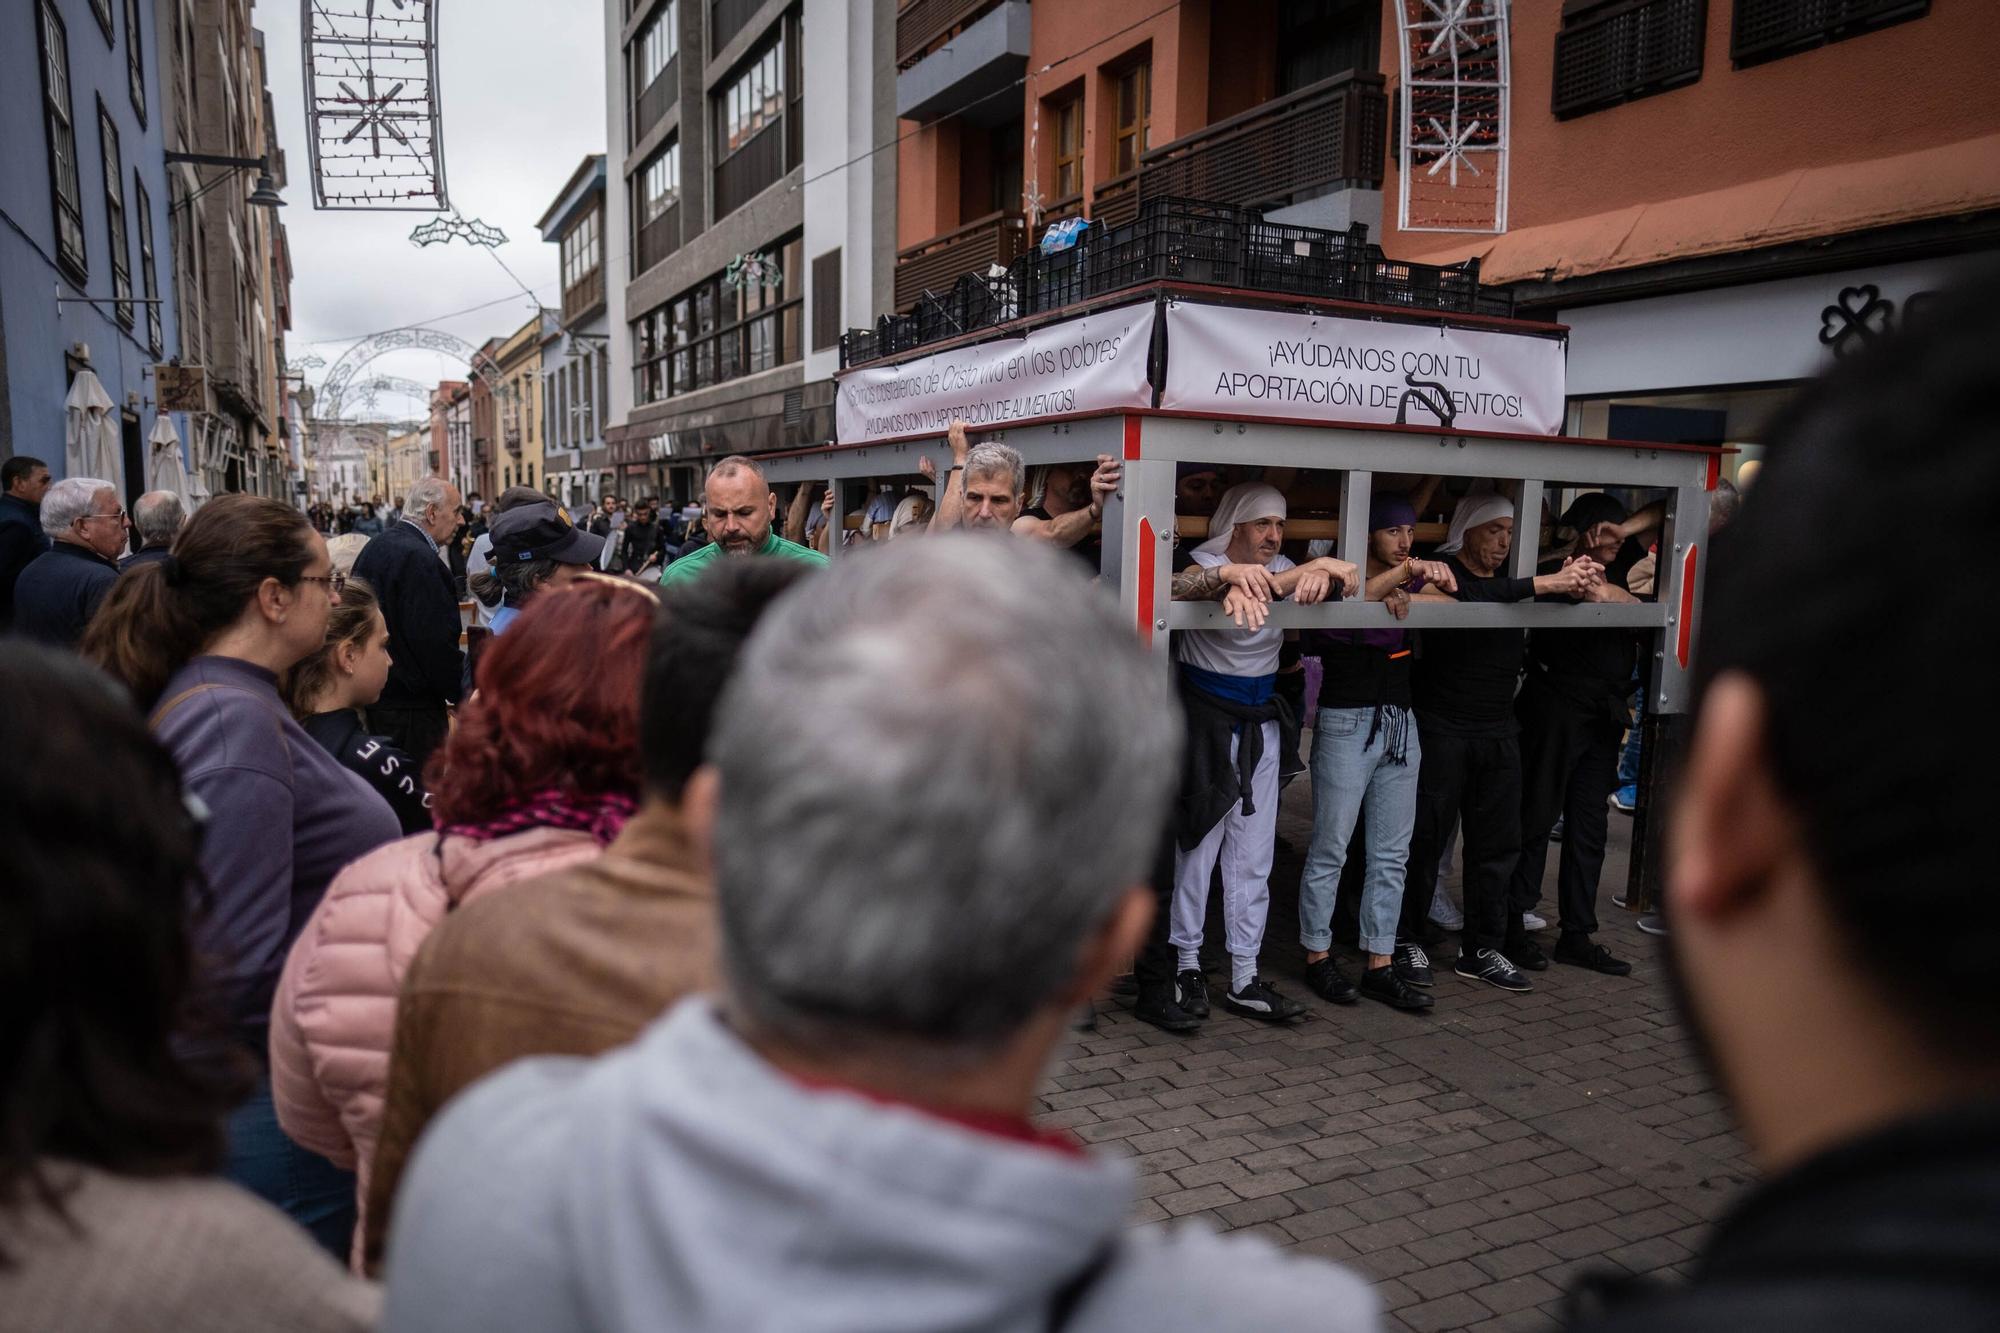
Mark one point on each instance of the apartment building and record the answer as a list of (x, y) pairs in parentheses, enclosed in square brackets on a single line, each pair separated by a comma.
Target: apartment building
[(576, 358)]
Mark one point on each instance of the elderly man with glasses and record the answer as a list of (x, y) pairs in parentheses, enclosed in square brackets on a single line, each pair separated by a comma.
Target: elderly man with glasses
[(61, 588)]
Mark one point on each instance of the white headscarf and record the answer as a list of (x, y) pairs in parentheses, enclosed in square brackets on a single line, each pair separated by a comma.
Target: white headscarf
[(1474, 511), (1243, 503)]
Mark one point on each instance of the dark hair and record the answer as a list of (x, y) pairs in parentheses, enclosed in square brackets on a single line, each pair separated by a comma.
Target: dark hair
[(17, 467), (97, 976), (151, 623), (701, 628), (347, 622), (538, 722), (1860, 669)]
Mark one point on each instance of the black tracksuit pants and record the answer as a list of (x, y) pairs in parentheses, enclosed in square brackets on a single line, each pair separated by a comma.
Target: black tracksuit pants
[(1569, 766), (1475, 780), (1158, 961)]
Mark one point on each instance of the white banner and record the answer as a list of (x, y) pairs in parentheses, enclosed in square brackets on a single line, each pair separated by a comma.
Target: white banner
[(1088, 364), (1234, 362)]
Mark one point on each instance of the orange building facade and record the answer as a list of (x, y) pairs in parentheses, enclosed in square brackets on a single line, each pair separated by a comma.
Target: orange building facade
[(1718, 196)]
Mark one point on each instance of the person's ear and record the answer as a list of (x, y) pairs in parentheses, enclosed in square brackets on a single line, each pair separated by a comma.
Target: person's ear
[(1730, 829), (274, 600), (1112, 948), (345, 654), (698, 801)]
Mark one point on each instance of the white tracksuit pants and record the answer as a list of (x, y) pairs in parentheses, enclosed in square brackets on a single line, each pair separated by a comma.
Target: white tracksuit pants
[(1245, 846)]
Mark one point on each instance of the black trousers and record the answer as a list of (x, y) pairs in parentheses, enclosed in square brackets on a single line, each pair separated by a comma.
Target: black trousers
[(1569, 766), (1158, 961), (416, 730), (1475, 780)]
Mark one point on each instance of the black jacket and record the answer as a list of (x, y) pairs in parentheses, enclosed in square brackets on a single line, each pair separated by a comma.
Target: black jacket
[(60, 591), (145, 555), (21, 540), (643, 541), (417, 598), (1210, 784), (1898, 1230), (384, 767)]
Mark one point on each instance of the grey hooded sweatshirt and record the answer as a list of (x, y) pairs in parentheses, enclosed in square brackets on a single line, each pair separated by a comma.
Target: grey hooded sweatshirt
[(683, 1183)]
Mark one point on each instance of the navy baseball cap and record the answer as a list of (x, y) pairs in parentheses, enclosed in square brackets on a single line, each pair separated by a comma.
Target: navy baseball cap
[(542, 531)]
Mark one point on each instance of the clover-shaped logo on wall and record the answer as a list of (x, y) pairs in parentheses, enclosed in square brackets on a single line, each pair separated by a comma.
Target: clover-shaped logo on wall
[(1858, 316)]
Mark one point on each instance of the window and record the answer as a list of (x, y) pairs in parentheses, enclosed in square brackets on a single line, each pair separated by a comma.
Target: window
[(581, 252), (1614, 51), (1318, 39), (114, 216), (714, 332), (658, 44), (63, 181), (1135, 117), (135, 60), (754, 101), (826, 300), (660, 183), (102, 8), (1770, 29), (1069, 148), (149, 274)]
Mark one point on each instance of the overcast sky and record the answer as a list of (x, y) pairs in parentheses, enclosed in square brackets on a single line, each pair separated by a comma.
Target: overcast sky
[(523, 89)]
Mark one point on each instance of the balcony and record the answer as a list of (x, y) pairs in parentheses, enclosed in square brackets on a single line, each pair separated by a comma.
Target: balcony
[(726, 18), (1769, 29), (997, 238), (981, 61), (754, 167), (659, 238), (586, 296), (1329, 135), (656, 100)]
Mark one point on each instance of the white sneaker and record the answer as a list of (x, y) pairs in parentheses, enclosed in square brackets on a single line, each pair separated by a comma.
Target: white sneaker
[(1529, 921), (1446, 913)]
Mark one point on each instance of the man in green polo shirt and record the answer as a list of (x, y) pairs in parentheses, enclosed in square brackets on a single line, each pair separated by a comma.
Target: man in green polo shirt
[(738, 508)]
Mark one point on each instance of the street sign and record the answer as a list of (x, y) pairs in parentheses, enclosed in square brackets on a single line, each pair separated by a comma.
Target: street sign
[(181, 388)]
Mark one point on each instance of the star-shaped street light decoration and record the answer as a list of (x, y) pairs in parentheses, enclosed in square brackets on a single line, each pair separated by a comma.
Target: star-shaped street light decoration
[(455, 227), (374, 114), (1450, 149)]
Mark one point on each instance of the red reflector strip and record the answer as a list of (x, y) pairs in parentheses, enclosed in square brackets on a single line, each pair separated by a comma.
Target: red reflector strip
[(1684, 638), (1132, 437), (1143, 585)]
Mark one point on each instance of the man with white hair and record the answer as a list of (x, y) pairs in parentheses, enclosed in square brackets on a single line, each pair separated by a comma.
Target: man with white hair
[(841, 1140), (987, 490), (1470, 772), (1242, 739), (156, 517), (61, 588), (406, 567)]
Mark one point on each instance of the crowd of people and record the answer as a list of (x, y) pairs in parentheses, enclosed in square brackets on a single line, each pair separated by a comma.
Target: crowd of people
[(688, 949)]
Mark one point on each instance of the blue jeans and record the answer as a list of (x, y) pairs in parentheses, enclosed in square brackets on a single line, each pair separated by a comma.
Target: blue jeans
[(1352, 774), (310, 1190), (1628, 754)]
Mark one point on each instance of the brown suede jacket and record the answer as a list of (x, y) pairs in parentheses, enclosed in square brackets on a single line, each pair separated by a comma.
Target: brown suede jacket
[(574, 962)]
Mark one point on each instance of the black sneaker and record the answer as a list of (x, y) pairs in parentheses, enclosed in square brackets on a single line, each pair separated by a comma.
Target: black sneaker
[(1491, 966), (1125, 986), (1260, 1000), (1086, 1018), (1579, 951), (1191, 993), (1157, 1005), (1525, 954), (1326, 980), (1387, 985), (1413, 965)]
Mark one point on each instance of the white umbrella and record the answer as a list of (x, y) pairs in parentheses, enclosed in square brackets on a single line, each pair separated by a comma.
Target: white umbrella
[(169, 472), (90, 437)]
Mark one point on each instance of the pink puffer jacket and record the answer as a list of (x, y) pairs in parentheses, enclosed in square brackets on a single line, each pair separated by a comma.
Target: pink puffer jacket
[(335, 1012)]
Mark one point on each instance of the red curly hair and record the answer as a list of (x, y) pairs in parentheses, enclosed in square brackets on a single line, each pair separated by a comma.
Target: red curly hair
[(557, 705)]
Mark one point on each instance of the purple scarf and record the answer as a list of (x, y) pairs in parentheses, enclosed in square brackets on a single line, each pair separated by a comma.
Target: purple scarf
[(600, 814)]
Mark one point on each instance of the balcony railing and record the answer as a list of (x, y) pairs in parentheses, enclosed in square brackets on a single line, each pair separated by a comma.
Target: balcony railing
[(1627, 51), (726, 18), (585, 296), (997, 238), (922, 22), (660, 237), (766, 340), (1116, 201), (657, 99), (1329, 134), (750, 169)]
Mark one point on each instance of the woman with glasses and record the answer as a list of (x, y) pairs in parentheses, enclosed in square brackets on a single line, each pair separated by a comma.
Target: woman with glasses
[(202, 639), (540, 773), (111, 1218)]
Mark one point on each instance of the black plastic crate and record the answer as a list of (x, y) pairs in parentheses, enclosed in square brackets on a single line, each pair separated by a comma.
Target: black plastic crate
[(1303, 261)]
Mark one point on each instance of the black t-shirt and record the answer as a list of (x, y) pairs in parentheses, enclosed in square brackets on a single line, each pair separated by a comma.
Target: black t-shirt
[(1360, 675), (1589, 669), (1090, 549), (1465, 679), (388, 770)]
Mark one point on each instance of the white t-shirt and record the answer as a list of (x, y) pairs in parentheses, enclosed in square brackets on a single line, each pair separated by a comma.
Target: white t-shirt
[(1234, 652)]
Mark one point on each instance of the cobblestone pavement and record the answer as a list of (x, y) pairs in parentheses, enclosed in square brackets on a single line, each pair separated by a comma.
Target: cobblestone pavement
[(1471, 1161)]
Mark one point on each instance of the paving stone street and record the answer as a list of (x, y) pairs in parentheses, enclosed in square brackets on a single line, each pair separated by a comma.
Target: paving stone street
[(1471, 1161)]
